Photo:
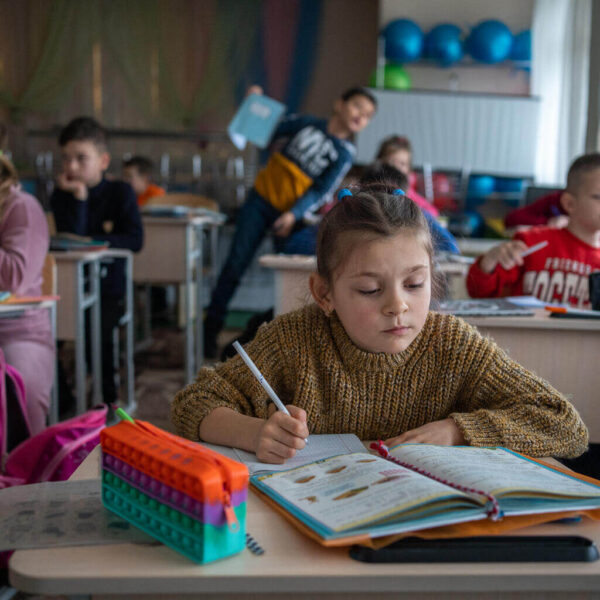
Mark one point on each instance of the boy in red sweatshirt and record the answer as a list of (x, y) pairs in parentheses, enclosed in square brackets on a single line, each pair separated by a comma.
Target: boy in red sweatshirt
[(557, 273)]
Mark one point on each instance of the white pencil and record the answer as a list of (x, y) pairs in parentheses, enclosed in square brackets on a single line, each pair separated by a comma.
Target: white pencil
[(533, 249), (278, 403)]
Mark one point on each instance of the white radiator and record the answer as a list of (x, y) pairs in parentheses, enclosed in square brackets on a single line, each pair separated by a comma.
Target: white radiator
[(450, 130)]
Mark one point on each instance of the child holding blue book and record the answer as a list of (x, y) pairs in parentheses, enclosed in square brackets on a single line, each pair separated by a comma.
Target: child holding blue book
[(297, 179), (370, 358)]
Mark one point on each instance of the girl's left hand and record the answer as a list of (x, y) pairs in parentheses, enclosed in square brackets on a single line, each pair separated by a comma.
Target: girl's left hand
[(442, 433)]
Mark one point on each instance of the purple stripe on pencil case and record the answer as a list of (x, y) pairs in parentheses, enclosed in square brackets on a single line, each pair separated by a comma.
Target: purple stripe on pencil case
[(207, 513)]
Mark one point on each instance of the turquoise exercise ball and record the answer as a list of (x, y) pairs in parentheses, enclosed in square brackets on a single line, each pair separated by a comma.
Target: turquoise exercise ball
[(480, 185), (403, 41), (395, 77), (521, 46), (490, 42), (444, 45)]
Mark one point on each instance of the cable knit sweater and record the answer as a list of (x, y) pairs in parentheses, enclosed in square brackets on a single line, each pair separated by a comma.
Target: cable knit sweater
[(450, 370)]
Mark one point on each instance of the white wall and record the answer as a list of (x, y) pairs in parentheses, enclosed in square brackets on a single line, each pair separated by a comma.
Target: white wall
[(516, 14)]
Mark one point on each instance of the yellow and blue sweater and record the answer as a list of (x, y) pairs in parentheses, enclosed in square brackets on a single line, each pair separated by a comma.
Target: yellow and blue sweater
[(301, 175)]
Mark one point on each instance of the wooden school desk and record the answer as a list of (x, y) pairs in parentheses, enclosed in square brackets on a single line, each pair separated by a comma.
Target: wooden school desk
[(292, 568), (14, 310), (74, 269), (293, 270), (172, 253), (563, 351)]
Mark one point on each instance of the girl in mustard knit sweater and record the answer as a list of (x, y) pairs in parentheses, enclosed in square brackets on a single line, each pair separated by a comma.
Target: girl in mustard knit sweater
[(370, 358)]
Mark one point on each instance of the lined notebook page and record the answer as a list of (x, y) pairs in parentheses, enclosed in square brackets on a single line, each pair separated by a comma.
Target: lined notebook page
[(318, 447)]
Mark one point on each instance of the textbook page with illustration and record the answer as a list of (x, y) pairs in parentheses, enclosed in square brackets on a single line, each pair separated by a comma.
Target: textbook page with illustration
[(318, 447), (358, 494)]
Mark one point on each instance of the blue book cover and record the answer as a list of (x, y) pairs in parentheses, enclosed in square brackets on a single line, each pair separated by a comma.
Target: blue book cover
[(255, 121)]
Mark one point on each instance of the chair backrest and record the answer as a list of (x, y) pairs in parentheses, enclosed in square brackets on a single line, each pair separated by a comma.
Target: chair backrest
[(183, 199), (49, 276), (534, 192), (51, 223)]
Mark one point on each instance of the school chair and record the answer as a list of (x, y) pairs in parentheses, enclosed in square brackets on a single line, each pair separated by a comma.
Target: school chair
[(49, 288), (534, 192), (51, 223), (49, 276)]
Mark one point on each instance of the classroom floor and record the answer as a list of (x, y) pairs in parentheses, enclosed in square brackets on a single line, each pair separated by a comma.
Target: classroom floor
[(159, 373)]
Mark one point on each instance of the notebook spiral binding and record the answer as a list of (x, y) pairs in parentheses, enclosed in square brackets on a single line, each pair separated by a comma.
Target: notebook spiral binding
[(254, 546)]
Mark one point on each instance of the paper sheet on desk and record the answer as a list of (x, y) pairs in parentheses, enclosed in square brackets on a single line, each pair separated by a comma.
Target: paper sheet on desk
[(62, 513), (318, 447)]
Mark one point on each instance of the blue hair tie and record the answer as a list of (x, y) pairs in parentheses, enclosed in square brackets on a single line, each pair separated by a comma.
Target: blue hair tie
[(398, 192), (343, 193)]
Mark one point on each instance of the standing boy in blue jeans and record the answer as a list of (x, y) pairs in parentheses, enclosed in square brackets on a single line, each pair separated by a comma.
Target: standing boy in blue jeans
[(85, 203), (296, 180)]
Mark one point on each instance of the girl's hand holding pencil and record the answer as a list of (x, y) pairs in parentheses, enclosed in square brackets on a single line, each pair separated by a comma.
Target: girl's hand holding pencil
[(285, 431), (282, 435)]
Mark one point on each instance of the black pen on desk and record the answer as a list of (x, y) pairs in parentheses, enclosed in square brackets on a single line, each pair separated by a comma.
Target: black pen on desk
[(278, 403)]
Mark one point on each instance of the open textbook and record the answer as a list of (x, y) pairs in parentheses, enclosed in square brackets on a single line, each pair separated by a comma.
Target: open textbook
[(365, 495), (318, 447)]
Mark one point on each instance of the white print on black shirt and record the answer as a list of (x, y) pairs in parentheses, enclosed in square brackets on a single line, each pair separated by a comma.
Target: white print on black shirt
[(558, 287), (312, 150)]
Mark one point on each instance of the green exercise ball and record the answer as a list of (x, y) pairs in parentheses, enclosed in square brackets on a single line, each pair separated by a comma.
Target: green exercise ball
[(395, 77)]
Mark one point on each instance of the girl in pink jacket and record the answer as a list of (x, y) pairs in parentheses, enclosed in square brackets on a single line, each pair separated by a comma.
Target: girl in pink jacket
[(25, 340)]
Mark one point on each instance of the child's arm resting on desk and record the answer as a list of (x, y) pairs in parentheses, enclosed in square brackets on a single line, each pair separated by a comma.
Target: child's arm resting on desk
[(128, 231), (503, 404)]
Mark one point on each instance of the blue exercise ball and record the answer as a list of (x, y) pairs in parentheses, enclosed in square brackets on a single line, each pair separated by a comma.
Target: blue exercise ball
[(444, 45), (509, 185), (521, 46), (403, 41), (480, 185), (490, 42)]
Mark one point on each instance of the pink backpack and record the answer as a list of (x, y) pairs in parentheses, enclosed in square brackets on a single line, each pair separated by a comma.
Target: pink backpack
[(14, 423), (52, 454)]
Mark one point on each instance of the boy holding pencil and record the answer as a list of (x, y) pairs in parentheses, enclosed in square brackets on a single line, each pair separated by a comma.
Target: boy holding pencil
[(556, 272)]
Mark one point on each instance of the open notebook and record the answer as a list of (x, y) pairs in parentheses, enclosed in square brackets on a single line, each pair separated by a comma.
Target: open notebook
[(318, 448), (356, 497)]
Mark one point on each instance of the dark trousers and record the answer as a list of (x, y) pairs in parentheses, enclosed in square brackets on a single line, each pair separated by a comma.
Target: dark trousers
[(112, 308), (253, 221)]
